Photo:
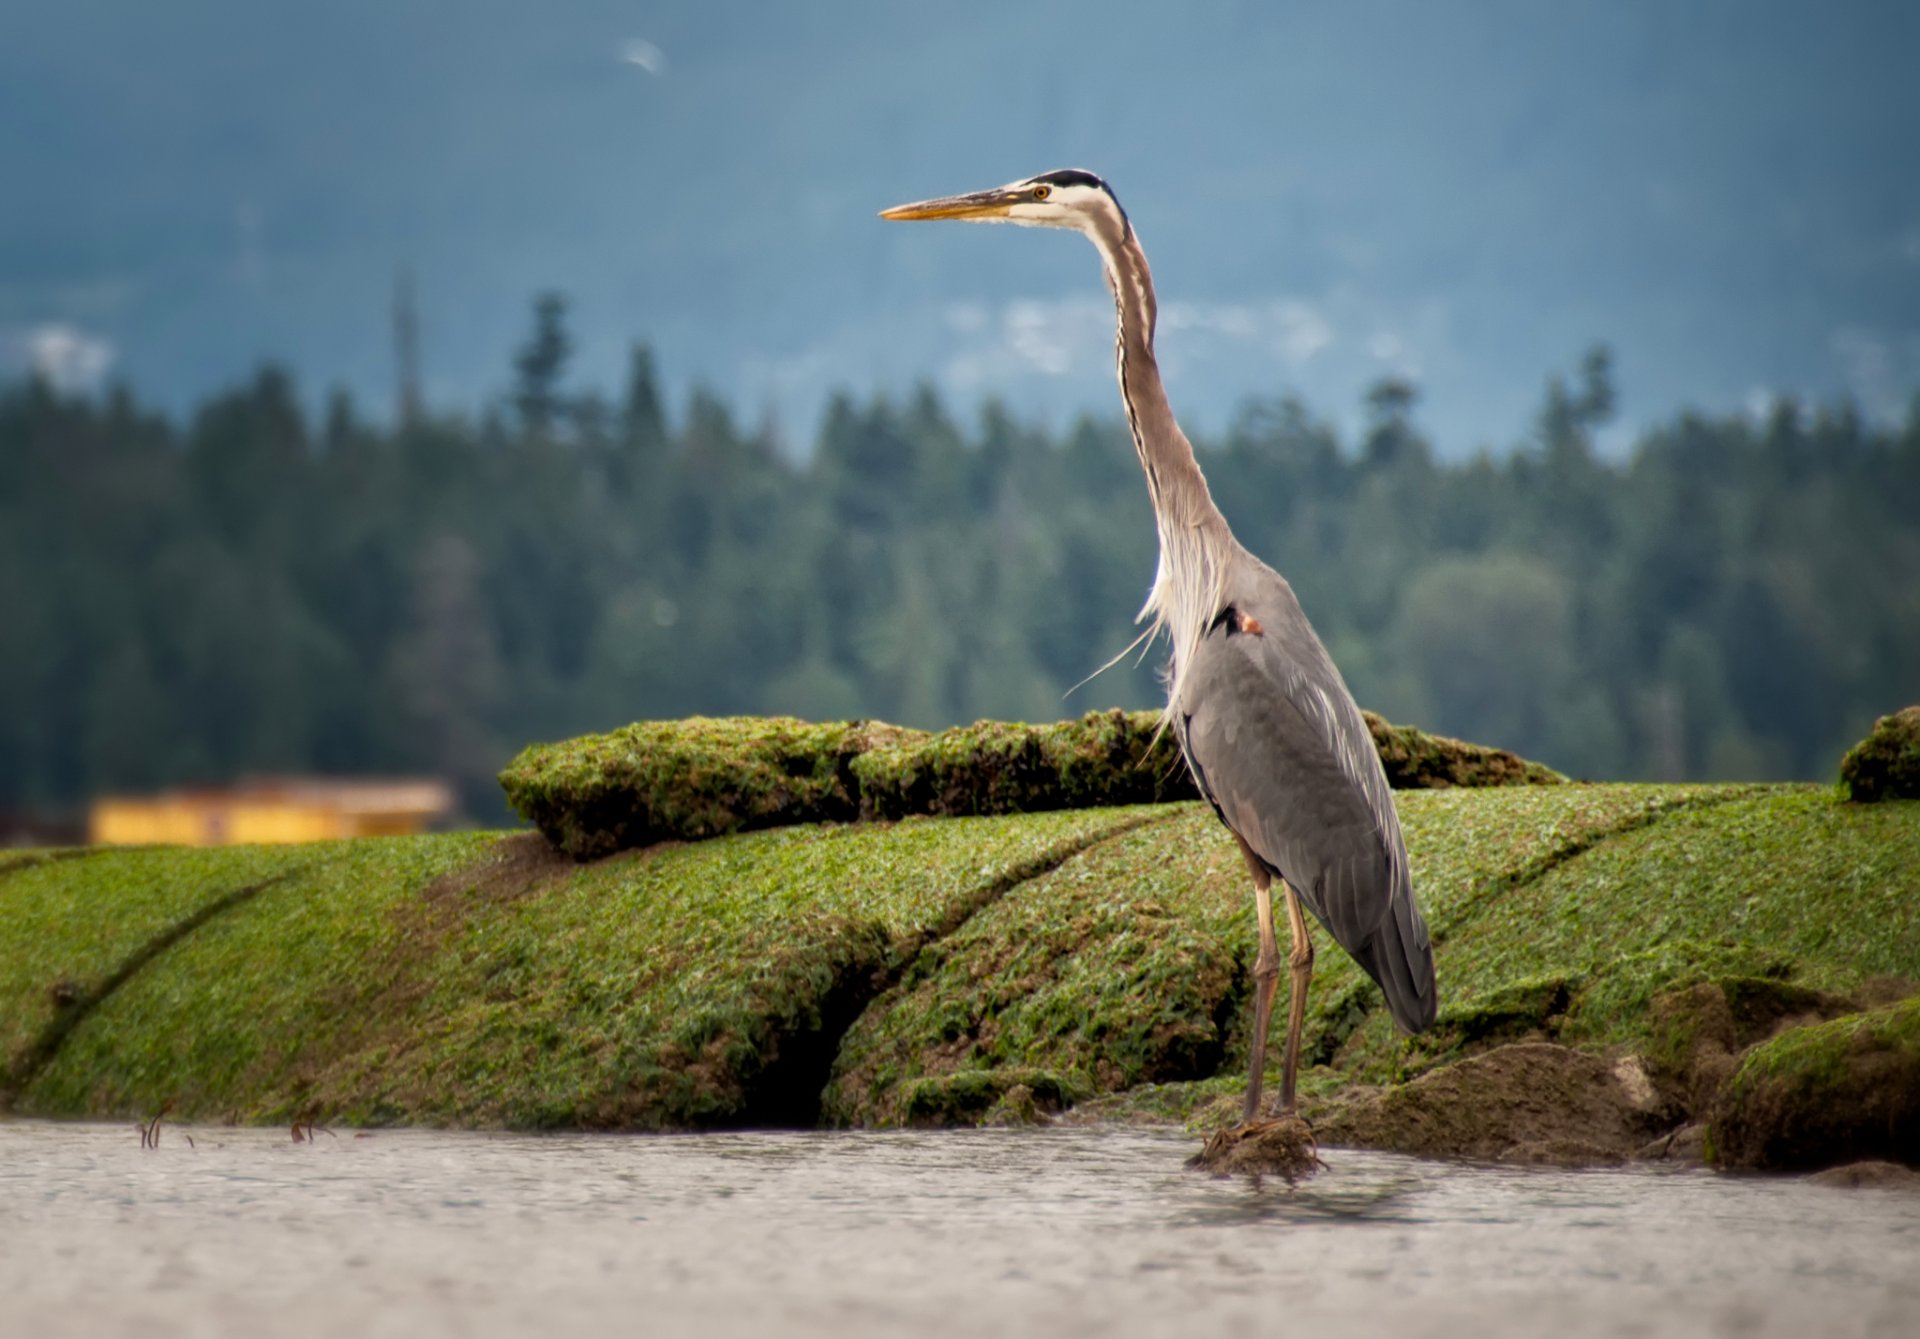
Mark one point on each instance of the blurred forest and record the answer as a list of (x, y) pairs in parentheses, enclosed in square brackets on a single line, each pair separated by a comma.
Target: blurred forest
[(255, 592)]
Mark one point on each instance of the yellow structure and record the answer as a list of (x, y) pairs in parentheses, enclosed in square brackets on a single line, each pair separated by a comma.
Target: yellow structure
[(294, 809)]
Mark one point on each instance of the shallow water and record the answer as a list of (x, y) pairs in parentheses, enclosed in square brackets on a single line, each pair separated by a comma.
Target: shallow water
[(1074, 1231)]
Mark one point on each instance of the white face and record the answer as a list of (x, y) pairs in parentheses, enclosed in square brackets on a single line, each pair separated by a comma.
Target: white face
[(1062, 206)]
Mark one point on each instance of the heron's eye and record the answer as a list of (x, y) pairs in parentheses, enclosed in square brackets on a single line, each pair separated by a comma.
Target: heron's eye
[(1041, 192)]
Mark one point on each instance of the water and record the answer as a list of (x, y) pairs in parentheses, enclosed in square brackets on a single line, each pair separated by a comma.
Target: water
[(1054, 1232)]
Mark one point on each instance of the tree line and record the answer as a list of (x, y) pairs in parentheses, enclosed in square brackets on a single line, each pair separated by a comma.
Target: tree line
[(260, 590)]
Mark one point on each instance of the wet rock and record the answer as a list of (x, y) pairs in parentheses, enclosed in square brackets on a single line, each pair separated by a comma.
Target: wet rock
[(1529, 1101), (1699, 1032), (1684, 1145), (1869, 1175), (1014, 1095), (1827, 1094), (1283, 1147), (1886, 764)]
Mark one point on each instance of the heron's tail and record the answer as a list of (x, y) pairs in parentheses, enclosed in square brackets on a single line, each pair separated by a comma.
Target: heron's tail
[(1399, 956)]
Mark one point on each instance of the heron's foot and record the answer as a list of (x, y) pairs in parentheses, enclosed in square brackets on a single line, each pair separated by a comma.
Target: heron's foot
[(1281, 1146)]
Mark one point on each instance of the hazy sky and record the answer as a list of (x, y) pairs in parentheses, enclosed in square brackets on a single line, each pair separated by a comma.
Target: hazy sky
[(1728, 193)]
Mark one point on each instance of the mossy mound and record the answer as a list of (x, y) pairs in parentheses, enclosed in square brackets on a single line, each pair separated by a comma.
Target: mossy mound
[(941, 971), (1416, 760), (473, 980), (1108, 972), (202, 977), (1886, 764), (1819, 1096), (991, 767), (1125, 971), (688, 780)]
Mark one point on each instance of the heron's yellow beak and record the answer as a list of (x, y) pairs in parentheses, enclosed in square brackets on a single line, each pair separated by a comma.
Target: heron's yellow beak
[(991, 204)]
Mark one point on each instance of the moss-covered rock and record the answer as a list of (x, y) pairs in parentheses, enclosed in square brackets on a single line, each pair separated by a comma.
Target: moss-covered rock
[(1524, 1102), (1698, 1033), (1886, 764), (1416, 760), (1085, 975), (1820, 1096), (687, 780), (992, 767)]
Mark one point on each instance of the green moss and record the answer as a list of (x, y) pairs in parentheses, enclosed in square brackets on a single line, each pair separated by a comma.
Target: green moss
[(68, 926), (1113, 970), (1104, 758), (688, 780), (1886, 764), (1128, 965), (1831, 1093), (238, 1007), (1416, 760), (980, 969), (690, 976)]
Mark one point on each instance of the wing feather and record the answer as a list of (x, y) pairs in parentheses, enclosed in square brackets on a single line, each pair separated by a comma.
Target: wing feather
[(1283, 754)]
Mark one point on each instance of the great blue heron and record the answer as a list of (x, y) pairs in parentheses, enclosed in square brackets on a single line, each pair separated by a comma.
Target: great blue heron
[(1266, 723)]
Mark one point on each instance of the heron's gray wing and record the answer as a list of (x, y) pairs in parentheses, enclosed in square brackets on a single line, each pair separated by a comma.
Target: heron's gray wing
[(1278, 746)]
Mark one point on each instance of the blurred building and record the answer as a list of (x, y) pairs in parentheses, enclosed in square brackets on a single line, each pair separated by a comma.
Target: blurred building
[(274, 809)]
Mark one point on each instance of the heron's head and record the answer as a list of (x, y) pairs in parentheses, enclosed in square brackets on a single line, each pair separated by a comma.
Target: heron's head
[(1065, 198)]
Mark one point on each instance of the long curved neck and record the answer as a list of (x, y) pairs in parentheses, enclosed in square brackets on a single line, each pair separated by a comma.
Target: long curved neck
[(1195, 542), (1178, 489)]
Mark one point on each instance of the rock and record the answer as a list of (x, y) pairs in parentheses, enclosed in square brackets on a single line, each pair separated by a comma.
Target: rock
[(657, 781), (1864, 1175), (1827, 1094), (1416, 760), (1684, 1145), (687, 780), (1526, 1102), (1886, 764), (1698, 1032), (1283, 1147)]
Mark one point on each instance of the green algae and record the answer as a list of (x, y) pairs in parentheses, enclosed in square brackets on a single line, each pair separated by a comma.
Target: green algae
[(1886, 764), (231, 1009), (695, 986), (929, 971), (411, 981), (68, 925), (1127, 968), (1113, 970)]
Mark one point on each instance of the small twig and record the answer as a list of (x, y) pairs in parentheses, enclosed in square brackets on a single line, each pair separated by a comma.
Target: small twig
[(304, 1129), (150, 1130)]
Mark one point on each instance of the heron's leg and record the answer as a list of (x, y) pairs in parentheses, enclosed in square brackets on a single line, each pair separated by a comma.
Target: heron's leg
[(1266, 975), (1301, 960)]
